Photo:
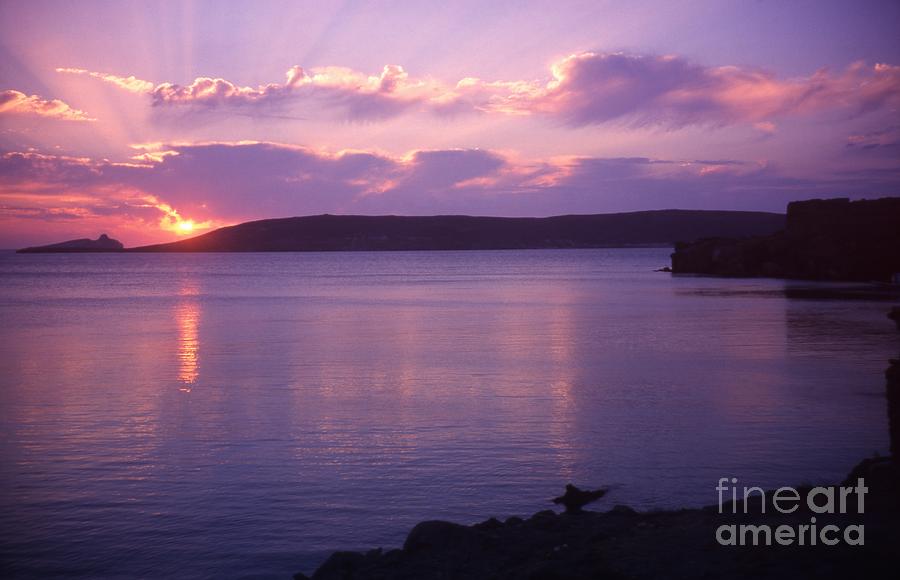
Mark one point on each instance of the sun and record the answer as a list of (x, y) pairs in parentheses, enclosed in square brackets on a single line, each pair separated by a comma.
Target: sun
[(186, 227)]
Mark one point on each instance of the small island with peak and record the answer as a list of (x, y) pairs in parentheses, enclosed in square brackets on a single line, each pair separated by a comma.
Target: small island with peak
[(102, 244)]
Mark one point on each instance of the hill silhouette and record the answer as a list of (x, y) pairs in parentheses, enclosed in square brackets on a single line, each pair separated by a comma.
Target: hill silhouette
[(456, 232)]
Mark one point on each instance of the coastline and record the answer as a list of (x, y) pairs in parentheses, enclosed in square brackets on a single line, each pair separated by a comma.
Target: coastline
[(624, 543)]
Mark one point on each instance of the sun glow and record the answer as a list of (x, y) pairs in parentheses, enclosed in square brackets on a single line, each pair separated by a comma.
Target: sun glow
[(173, 221)]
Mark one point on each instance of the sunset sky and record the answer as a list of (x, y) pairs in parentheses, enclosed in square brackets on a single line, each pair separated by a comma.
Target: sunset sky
[(154, 120)]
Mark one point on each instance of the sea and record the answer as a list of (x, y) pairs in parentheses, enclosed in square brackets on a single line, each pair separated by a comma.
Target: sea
[(245, 415)]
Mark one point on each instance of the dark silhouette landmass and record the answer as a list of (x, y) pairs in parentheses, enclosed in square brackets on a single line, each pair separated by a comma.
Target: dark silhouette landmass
[(102, 244), (894, 315), (368, 233), (833, 239)]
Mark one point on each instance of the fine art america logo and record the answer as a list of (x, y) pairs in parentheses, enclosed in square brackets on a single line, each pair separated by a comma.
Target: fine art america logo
[(818, 501)]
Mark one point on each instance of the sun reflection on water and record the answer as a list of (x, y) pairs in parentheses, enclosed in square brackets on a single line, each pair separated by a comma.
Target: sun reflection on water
[(187, 317)]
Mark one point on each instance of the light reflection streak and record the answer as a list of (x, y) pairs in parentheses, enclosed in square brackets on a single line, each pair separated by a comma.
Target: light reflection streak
[(187, 317), (560, 348), (549, 335)]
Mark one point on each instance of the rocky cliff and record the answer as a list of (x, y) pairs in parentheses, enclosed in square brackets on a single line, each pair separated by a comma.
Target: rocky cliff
[(834, 239)]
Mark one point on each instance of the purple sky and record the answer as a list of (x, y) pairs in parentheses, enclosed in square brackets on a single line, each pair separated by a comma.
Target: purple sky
[(150, 121)]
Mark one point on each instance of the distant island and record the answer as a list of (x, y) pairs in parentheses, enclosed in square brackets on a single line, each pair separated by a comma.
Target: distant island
[(823, 239), (102, 244)]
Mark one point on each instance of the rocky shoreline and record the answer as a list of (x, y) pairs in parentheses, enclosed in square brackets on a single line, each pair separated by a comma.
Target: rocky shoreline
[(623, 543)]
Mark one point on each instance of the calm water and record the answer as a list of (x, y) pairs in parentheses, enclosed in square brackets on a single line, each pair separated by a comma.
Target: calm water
[(245, 415)]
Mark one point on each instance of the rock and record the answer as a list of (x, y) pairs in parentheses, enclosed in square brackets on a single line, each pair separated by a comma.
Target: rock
[(445, 535), (892, 373), (490, 524), (892, 393), (340, 565), (894, 315)]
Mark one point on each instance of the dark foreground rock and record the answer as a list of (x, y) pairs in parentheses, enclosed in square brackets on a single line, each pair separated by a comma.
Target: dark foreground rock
[(102, 244), (622, 543), (834, 239), (894, 315)]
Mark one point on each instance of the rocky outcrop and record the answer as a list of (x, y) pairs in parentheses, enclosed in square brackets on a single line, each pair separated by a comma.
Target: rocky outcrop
[(894, 315), (893, 399), (835, 239), (623, 543), (102, 244)]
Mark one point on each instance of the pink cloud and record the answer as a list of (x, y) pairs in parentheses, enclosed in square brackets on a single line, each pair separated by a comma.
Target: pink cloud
[(590, 88), (876, 146), (17, 103), (131, 84), (360, 96), (583, 89)]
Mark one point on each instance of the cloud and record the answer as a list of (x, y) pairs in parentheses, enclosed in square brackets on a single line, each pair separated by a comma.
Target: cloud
[(583, 89), (357, 95), (437, 170), (886, 141), (17, 103), (130, 84), (590, 88)]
